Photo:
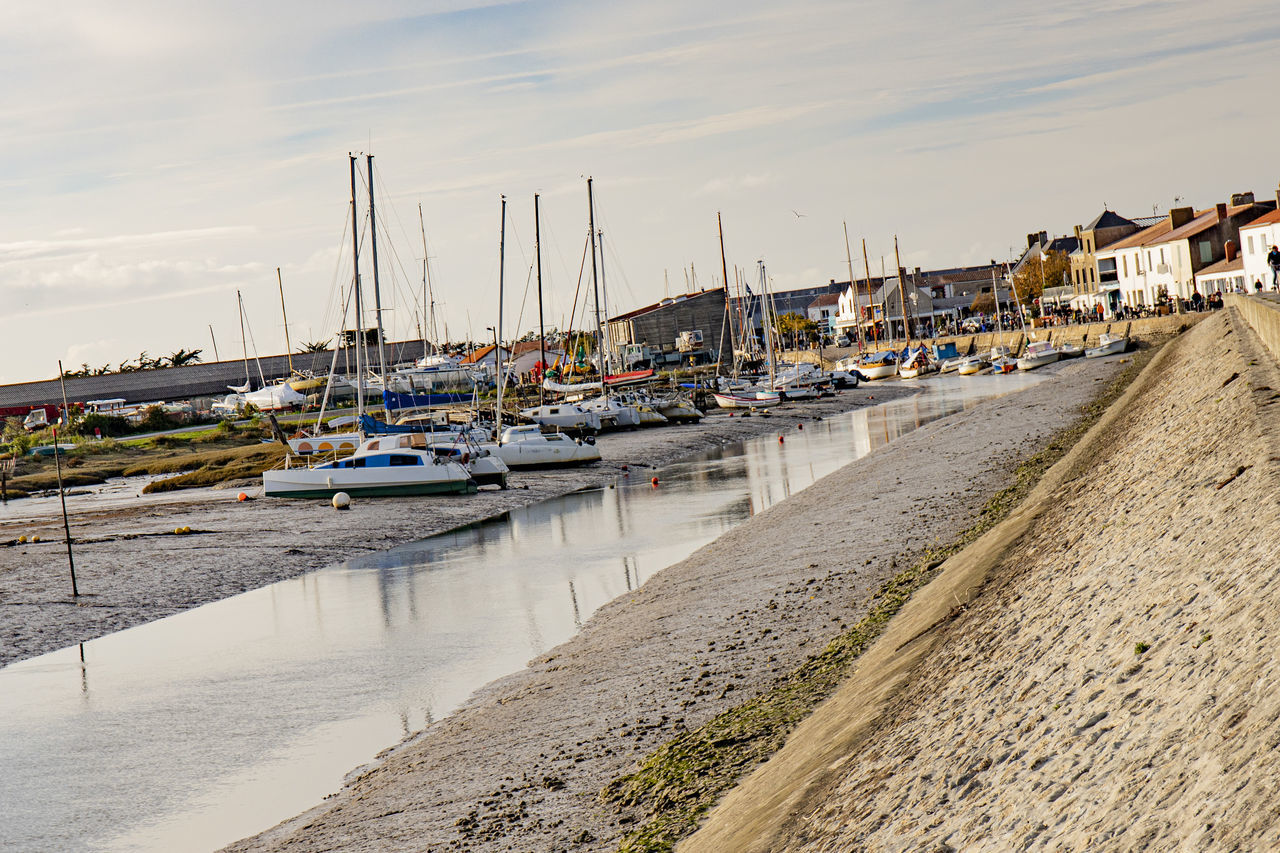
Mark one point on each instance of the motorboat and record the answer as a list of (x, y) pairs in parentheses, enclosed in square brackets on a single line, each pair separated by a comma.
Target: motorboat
[(566, 417), (880, 365), (1108, 344), (643, 404), (1070, 350), (1038, 354), (972, 364), (613, 413), (373, 470), (677, 409), (951, 365), (527, 446), (846, 378)]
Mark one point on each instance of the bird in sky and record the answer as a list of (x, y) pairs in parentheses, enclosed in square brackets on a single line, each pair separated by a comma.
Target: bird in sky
[(798, 213)]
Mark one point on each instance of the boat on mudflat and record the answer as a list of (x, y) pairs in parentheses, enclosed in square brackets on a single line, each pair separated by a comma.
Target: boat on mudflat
[(372, 471), (1108, 344), (746, 399), (1038, 354)]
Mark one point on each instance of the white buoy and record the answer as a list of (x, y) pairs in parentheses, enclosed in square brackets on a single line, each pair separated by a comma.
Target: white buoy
[(341, 500)]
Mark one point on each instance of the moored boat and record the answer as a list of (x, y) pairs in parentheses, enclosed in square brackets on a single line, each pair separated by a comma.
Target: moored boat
[(1108, 344), (372, 471), (1038, 354), (746, 399)]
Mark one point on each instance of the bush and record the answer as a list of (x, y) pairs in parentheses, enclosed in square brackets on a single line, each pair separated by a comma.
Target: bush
[(156, 420), (105, 425)]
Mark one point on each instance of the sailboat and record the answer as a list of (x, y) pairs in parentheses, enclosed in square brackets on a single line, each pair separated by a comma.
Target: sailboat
[(381, 466)]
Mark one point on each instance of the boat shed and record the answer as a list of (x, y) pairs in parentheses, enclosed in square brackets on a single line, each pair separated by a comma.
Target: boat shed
[(663, 326)]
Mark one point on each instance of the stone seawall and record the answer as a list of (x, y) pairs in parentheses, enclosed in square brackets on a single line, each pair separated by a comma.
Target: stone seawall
[(1262, 313), (1142, 329), (1098, 672)]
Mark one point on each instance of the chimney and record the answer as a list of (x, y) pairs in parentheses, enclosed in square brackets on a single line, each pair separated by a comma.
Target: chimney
[(1031, 238), (1238, 199), (1222, 210), (1180, 216), (1231, 249), (1079, 231), (1278, 197)]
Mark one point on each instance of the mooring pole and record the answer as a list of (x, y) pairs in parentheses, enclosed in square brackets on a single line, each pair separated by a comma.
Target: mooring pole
[(66, 525)]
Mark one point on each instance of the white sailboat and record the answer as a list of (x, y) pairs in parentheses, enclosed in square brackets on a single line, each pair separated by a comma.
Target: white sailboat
[(381, 466)]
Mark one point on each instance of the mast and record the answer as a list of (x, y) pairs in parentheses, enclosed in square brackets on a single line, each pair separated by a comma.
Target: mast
[(595, 284), (377, 294), (604, 292), (857, 304), (428, 320), (244, 342), (728, 316), (288, 347), (884, 303), (766, 304), (542, 332), (355, 284), (866, 265), (902, 292), (497, 349)]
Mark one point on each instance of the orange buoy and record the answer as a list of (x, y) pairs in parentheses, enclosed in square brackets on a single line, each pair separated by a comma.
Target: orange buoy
[(800, 426), (242, 497), (655, 482), (780, 439), (625, 468)]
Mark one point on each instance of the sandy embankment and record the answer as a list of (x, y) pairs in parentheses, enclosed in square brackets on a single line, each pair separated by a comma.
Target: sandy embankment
[(131, 569), (521, 765), (1098, 673)]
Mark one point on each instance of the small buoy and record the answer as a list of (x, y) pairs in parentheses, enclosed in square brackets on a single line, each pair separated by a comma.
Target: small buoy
[(625, 468), (654, 481), (780, 440), (611, 485), (242, 497), (186, 528), (731, 414), (341, 500), (177, 531), (22, 540), (800, 426), (35, 538)]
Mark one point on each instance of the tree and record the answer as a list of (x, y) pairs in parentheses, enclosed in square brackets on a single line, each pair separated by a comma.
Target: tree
[(314, 346), (183, 357), (792, 326), (1031, 280)]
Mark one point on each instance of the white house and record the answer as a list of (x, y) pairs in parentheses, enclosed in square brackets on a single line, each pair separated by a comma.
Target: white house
[(1256, 240)]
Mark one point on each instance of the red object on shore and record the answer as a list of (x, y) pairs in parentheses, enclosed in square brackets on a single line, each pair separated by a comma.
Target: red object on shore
[(242, 497), (655, 482), (780, 439)]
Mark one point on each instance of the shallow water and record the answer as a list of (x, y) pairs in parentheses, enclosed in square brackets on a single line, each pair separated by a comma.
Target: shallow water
[(216, 723)]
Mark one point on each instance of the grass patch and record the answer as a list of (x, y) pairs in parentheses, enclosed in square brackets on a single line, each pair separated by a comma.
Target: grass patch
[(682, 779)]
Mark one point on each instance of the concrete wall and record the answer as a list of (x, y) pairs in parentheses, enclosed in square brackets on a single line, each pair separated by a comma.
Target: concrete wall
[(183, 383), (1262, 312)]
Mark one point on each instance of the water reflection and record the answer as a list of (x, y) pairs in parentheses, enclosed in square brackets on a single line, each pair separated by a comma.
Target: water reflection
[(195, 730)]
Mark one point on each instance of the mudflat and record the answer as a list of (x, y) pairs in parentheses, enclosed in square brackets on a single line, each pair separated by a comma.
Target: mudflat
[(131, 567)]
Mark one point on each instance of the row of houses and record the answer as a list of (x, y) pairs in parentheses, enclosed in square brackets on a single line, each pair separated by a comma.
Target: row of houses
[(1118, 262)]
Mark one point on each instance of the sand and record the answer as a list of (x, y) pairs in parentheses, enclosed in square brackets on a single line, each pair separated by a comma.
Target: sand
[(1099, 673), (521, 765)]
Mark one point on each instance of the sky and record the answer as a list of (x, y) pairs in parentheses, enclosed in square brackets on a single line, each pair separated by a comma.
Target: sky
[(160, 156)]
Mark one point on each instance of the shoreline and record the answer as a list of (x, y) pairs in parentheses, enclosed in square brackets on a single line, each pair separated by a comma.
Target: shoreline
[(524, 760), (132, 569)]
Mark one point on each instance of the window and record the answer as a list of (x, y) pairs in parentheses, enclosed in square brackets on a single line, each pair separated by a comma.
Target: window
[(1251, 244), (400, 459), (1124, 263), (1206, 252), (1162, 255)]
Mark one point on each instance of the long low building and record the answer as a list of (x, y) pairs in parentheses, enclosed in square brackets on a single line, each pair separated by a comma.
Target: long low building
[(191, 381)]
